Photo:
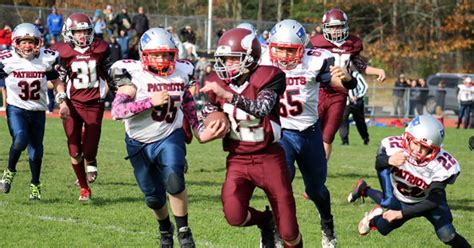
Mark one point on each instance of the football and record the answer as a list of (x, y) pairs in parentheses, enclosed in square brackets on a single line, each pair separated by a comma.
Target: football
[(217, 116)]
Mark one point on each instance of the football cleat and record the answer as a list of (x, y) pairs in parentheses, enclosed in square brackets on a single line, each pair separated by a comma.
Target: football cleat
[(85, 195), (7, 180), (35, 192), (185, 237), (328, 239), (91, 173), (364, 224), (166, 238), (358, 191), (268, 232)]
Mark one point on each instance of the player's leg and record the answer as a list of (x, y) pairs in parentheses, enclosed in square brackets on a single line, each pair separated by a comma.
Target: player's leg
[(171, 153), (442, 221), (73, 129), (18, 127), (313, 166), (359, 118), (289, 142), (335, 108), (277, 187), (90, 145), (35, 151), (344, 127), (148, 177)]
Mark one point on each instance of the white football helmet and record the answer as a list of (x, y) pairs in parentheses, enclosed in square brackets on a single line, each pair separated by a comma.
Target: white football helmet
[(287, 34), (154, 41), (427, 131), (248, 26), (27, 31)]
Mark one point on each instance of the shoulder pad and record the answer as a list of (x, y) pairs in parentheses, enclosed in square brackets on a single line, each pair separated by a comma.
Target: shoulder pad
[(50, 56), (263, 74), (121, 71), (357, 45), (185, 66), (99, 46), (314, 58)]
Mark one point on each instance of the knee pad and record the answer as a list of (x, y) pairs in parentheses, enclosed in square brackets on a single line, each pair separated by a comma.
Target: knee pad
[(36, 154), (446, 233), (20, 141), (175, 183), (155, 202)]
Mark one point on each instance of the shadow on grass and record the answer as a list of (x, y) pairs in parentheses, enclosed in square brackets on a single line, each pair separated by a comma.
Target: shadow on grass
[(116, 183), (462, 204), (195, 198), (354, 176), (204, 183), (101, 201)]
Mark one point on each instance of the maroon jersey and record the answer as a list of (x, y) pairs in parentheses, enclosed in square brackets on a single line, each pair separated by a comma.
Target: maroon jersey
[(250, 134), (86, 70)]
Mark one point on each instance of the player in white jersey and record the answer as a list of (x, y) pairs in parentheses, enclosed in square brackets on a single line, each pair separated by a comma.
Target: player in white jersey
[(26, 71), (305, 70), (152, 98), (413, 170)]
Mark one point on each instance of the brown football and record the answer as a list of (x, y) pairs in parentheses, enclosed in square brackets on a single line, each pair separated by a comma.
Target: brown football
[(217, 116)]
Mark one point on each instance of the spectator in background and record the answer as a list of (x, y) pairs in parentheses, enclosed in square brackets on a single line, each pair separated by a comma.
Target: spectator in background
[(263, 38), (5, 37), (189, 38), (140, 22), (109, 19), (415, 98), (123, 21), (39, 25), (466, 100), (423, 94), (115, 49), (54, 24), (99, 24), (398, 94), (5, 43), (124, 41), (440, 97), (220, 32), (316, 31)]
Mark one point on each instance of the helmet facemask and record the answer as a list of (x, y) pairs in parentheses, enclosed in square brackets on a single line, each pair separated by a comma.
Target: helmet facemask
[(336, 32), (163, 66), (228, 73), (28, 49), (286, 56), (417, 158), (83, 40)]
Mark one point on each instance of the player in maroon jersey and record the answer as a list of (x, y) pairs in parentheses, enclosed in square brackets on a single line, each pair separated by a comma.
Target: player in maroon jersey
[(249, 94), (346, 49), (85, 61)]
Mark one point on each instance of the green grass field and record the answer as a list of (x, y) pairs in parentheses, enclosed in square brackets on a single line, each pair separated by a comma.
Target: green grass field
[(118, 217)]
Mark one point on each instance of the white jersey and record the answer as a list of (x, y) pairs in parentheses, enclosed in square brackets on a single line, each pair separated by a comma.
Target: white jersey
[(159, 122), (26, 80), (410, 182), (299, 104)]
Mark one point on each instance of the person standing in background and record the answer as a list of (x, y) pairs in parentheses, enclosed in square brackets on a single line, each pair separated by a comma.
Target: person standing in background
[(55, 25), (140, 22), (465, 99), (355, 107), (398, 94)]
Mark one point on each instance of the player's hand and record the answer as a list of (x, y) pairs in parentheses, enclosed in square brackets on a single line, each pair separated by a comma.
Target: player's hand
[(160, 98), (63, 111), (380, 75), (340, 73), (216, 89), (215, 130), (392, 215), (397, 159)]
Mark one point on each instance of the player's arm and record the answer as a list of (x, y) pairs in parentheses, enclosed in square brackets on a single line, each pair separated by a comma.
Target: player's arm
[(262, 105), (335, 75), (362, 66), (436, 196), (189, 110), (107, 64), (124, 105)]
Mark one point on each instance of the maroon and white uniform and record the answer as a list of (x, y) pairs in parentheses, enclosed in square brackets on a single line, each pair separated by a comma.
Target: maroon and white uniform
[(255, 158), (332, 100), (86, 75)]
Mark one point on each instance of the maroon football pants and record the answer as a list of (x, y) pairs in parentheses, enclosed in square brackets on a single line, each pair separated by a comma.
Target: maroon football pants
[(88, 116), (269, 172), (330, 110)]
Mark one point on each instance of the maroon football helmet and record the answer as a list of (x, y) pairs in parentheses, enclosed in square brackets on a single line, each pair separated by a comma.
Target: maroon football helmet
[(242, 44), (77, 22), (335, 25)]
